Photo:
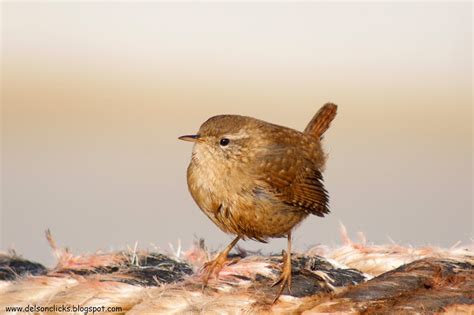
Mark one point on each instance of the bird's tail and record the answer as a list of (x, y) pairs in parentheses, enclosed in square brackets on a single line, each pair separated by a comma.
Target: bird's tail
[(321, 121)]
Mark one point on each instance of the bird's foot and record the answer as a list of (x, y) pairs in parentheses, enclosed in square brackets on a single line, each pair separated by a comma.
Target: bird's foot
[(213, 267), (285, 277)]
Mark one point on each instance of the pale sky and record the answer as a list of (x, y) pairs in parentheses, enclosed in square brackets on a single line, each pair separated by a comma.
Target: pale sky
[(94, 96)]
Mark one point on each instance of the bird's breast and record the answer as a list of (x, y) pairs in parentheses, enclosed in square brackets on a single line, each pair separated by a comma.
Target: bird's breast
[(237, 204), (212, 184)]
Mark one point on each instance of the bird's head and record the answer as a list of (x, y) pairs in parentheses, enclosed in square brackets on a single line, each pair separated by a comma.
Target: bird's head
[(225, 137)]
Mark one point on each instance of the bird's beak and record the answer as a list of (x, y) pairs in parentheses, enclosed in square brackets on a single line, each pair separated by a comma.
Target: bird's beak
[(190, 138)]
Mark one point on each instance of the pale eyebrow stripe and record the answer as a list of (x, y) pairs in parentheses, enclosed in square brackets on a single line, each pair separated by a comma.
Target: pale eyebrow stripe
[(240, 135)]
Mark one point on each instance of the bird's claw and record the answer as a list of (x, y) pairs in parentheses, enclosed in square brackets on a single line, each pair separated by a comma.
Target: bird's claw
[(285, 277), (212, 268)]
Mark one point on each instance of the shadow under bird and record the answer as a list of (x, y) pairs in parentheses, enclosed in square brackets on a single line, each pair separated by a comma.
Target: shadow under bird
[(258, 180)]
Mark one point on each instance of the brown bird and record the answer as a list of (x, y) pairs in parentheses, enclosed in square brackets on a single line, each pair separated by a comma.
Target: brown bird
[(258, 180)]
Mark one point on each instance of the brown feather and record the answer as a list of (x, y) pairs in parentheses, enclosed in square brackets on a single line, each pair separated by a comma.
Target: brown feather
[(296, 180), (321, 120)]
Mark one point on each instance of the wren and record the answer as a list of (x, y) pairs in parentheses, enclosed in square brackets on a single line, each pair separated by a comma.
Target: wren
[(258, 180)]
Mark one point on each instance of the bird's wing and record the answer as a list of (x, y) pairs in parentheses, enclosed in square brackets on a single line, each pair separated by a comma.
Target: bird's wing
[(294, 178)]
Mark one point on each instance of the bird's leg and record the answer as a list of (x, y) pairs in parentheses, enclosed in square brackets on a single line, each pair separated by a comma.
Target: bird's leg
[(214, 266), (285, 277)]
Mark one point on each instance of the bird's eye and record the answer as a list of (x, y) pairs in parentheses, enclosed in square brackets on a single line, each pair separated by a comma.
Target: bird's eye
[(224, 142)]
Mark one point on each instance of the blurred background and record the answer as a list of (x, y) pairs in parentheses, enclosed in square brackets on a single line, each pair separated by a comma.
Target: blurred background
[(94, 96)]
